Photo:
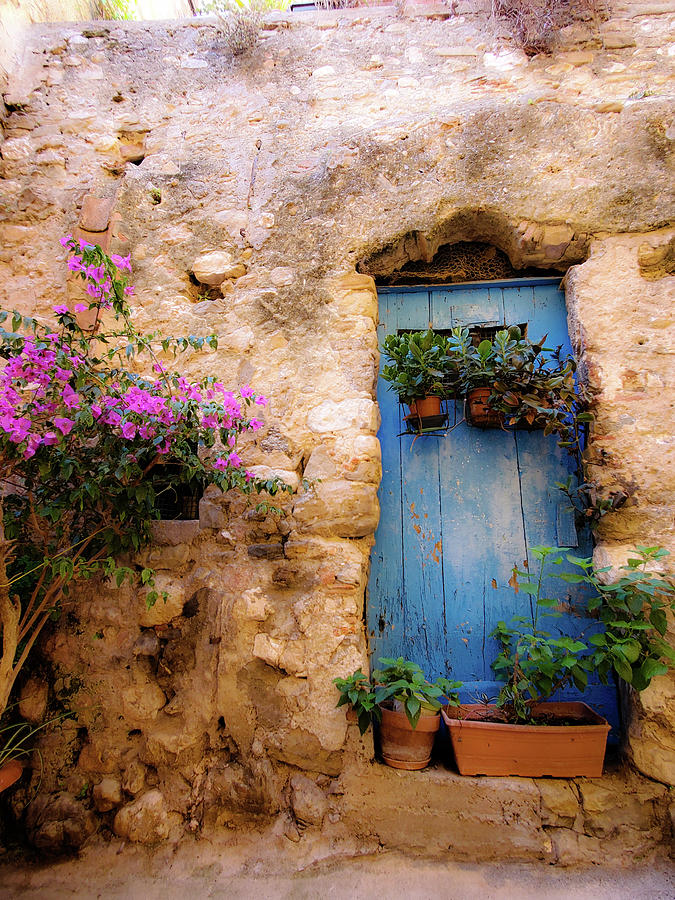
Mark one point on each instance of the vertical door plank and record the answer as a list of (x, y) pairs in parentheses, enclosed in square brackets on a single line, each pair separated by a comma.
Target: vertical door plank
[(387, 585), (482, 541), (422, 552)]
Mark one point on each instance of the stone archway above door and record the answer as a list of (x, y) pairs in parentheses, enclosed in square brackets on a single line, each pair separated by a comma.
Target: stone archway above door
[(526, 243)]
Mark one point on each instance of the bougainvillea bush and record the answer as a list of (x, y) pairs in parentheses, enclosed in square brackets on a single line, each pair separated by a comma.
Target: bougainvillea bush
[(87, 420)]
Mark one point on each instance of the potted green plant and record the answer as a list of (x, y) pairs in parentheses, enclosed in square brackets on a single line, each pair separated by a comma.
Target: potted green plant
[(511, 381), (405, 704), (524, 733), (536, 387), (417, 370)]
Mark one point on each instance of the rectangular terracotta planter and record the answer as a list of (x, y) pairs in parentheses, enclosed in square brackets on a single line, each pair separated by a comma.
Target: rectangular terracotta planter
[(496, 748)]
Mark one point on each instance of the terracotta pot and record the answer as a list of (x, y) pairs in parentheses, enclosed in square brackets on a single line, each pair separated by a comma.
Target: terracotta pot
[(425, 407), (478, 412), (403, 747), (496, 748), (9, 773)]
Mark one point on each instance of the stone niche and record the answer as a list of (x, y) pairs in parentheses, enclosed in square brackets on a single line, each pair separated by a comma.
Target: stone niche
[(246, 195)]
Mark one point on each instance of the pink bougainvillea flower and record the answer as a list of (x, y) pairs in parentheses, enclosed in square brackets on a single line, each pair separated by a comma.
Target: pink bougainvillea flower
[(220, 464), (7, 422), (122, 262), (147, 432), (129, 430), (81, 307), (75, 263), (261, 401), (65, 426), (84, 245), (64, 241), (210, 421), (129, 289), (246, 391), (234, 459), (60, 310), (95, 272), (249, 476), (70, 397), (96, 410), (49, 438), (255, 424)]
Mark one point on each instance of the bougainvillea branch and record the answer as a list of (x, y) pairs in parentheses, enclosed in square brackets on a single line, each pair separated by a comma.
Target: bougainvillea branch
[(82, 434)]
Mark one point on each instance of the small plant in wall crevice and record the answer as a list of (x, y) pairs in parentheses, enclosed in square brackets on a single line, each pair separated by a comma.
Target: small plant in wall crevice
[(535, 25), (240, 21)]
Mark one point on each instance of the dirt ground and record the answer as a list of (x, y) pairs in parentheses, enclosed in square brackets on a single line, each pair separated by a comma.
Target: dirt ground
[(257, 867)]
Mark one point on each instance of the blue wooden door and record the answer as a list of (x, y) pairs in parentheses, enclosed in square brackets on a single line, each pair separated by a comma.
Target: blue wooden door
[(460, 509)]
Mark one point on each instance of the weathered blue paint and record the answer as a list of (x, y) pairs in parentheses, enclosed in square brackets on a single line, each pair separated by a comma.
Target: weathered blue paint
[(460, 509)]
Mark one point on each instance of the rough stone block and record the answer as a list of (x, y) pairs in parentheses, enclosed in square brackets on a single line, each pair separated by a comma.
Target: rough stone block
[(353, 414), (142, 700), (170, 532), (214, 267), (267, 472), (438, 811), (211, 515), (308, 801), (107, 794), (58, 823), (299, 747), (611, 803), (268, 649), (321, 464), (253, 605), (168, 740), (33, 700), (618, 40), (132, 151), (145, 820), (344, 508), (559, 802), (356, 295), (133, 779), (95, 213), (272, 550), (168, 557), (163, 611)]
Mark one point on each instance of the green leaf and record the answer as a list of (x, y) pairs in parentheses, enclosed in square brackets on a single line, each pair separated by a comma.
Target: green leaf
[(623, 670), (413, 708), (650, 668), (528, 588), (658, 619)]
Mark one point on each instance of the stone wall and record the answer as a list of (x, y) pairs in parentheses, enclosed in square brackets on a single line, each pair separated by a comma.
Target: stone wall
[(248, 192), (17, 15)]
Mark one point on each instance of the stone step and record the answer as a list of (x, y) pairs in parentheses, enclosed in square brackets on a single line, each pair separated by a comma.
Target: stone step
[(620, 818)]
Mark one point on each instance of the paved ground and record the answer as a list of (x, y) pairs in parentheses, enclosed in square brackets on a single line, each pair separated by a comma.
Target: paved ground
[(253, 869)]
